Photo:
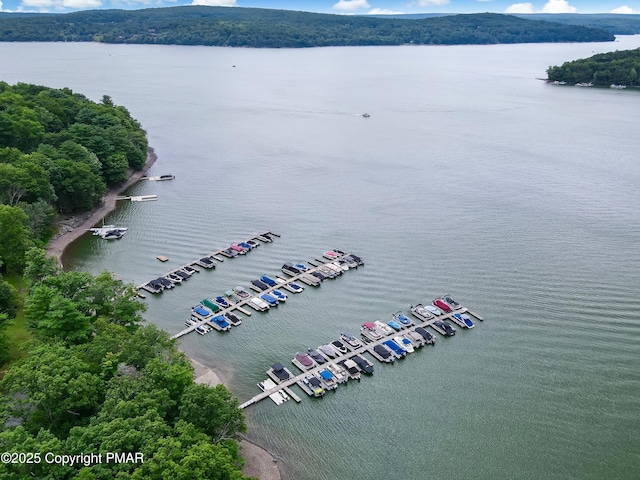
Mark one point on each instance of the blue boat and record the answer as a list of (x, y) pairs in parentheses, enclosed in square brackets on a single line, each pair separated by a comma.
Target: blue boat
[(269, 281), (465, 319), (395, 348), (245, 245), (295, 287), (271, 300), (301, 266), (279, 295), (200, 310), (220, 322), (400, 317), (395, 325), (220, 300)]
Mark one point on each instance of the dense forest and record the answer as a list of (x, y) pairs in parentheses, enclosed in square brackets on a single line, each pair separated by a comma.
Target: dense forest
[(253, 27), (81, 373), (96, 380), (613, 68), (616, 23), (59, 151)]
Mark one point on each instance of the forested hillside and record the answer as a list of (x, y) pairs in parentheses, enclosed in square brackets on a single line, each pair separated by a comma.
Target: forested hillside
[(619, 68), (59, 151), (81, 376), (252, 27)]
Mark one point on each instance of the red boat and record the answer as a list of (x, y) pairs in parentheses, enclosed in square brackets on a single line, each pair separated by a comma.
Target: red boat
[(441, 305)]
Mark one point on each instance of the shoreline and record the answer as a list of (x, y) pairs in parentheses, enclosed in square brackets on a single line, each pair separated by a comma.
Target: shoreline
[(74, 226), (259, 462)]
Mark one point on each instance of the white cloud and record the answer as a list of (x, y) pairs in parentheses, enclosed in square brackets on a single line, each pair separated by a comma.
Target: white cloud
[(0, 6), (428, 3), (81, 4), (383, 11), (624, 9), (351, 5), (558, 6), (519, 8), (39, 3), (215, 3)]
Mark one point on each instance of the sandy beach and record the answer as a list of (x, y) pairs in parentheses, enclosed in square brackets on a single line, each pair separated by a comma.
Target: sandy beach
[(73, 227), (259, 463)]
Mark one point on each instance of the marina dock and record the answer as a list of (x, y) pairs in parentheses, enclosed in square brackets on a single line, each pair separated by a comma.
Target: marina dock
[(367, 347), (209, 261), (281, 283)]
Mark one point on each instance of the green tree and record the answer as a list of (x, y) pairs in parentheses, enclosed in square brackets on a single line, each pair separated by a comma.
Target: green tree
[(39, 266), (58, 388), (51, 316), (213, 410), (15, 238)]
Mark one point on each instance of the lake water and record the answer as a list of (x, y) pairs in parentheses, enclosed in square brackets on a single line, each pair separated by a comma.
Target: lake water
[(471, 177)]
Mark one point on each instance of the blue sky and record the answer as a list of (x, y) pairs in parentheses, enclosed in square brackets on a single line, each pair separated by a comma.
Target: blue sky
[(345, 6)]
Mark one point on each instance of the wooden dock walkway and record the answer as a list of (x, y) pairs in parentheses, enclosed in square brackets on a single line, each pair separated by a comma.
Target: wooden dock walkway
[(239, 305), (217, 256), (366, 347)]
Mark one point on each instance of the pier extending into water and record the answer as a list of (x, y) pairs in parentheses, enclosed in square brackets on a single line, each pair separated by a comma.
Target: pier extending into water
[(365, 348), (282, 283), (208, 261)]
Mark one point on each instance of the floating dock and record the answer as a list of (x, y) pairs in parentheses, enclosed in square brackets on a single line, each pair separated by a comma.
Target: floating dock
[(208, 261), (254, 301), (365, 348)]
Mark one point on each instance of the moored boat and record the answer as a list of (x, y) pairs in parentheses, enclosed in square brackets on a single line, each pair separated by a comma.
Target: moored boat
[(370, 331), (402, 319), (351, 341)]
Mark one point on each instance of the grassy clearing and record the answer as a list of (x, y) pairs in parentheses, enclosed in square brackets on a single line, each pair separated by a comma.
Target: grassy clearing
[(16, 330)]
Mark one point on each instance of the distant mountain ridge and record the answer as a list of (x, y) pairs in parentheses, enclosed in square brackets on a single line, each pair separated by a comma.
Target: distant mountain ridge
[(616, 23), (267, 28)]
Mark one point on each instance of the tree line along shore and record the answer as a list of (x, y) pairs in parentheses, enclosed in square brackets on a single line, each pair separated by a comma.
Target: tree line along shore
[(81, 372), (618, 69), (267, 28)]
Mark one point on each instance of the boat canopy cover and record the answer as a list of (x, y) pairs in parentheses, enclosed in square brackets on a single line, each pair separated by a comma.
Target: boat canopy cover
[(314, 382), (369, 325), (202, 311), (326, 374), (277, 366)]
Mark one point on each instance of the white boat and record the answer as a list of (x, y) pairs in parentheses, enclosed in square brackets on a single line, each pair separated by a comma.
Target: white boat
[(258, 304), (162, 177), (383, 327), (338, 372), (404, 343), (109, 232), (144, 198)]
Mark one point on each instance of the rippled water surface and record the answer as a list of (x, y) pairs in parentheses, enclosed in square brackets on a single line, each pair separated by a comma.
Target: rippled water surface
[(471, 177)]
